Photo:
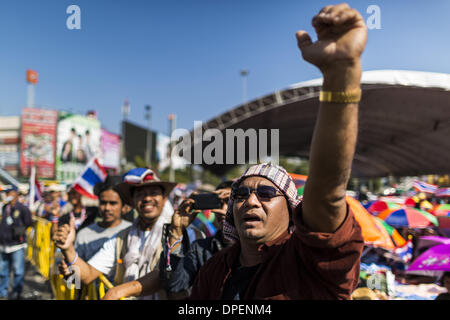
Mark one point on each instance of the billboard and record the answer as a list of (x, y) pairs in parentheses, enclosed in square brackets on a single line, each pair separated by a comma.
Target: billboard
[(38, 142), (9, 156), (135, 142), (78, 141), (9, 144), (110, 144)]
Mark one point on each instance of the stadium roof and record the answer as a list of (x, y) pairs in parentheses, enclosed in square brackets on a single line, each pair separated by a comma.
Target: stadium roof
[(404, 122)]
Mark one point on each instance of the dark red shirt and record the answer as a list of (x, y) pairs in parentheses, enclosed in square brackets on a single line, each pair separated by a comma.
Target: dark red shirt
[(303, 265)]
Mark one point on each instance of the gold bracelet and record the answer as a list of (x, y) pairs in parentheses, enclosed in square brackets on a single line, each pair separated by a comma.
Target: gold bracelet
[(352, 96)]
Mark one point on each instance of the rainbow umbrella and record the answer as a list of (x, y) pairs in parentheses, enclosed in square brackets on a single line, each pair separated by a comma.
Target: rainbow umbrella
[(373, 234), (442, 210), (408, 217), (299, 181), (204, 222), (377, 206), (399, 241), (411, 202)]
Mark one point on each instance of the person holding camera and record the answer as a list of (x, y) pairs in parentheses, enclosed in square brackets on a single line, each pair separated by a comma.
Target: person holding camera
[(134, 251), (182, 258), (16, 218)]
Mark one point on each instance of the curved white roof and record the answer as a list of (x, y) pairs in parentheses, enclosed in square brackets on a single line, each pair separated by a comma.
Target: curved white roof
[(395, 77)]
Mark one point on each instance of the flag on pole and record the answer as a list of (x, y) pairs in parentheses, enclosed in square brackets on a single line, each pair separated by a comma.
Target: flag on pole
[(405, 252), (35, 191), (424, 187), (443, 192), (92, 174)]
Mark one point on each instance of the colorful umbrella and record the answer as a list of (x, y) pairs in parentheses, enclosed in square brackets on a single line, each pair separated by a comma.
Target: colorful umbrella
[(373, 234), (436, 258), (442, 210), (399, 241), (204, 222), (377, 206), (299, 181), (411, 202), (443, 207), (408, 217)]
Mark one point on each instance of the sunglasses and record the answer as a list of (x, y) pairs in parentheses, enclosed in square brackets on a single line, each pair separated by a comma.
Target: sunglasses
[(262, 192)]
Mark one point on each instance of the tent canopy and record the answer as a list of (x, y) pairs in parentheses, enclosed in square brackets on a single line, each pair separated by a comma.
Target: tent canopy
[(404, 123)]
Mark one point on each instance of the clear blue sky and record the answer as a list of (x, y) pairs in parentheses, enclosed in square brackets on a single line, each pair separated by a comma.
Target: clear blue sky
[(184, 56)]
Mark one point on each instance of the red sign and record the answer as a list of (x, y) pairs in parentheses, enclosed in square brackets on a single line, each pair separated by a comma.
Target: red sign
[(32, 76), (38, 143)]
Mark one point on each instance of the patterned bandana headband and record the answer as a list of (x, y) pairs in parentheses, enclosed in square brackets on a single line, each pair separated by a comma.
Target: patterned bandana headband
[(278, 176)]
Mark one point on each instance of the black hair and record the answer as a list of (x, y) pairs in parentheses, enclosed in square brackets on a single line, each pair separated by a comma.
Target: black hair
[(110, 183)]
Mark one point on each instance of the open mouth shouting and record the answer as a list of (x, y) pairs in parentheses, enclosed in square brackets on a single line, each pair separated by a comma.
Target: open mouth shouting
[(250, 219)]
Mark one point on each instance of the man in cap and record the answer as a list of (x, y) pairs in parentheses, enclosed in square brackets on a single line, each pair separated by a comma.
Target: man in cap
[(291, 249), (15, 219), (135, 251)]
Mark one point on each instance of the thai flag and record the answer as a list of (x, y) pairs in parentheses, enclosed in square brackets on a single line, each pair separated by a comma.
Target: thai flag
[(443, 192), (405, 252), (424, 187), (35, 190), (92, 174)]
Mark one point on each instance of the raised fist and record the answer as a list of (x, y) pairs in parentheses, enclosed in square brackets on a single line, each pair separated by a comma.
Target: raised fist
[(341, 38)]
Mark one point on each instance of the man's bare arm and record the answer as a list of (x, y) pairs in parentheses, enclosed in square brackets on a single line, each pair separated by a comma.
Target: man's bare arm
[(64, 238), (144, 286), (342, 36)]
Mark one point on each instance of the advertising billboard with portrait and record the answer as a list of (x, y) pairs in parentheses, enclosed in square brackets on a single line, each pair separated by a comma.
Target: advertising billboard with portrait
[(110, 143), (38, 142), (78, 141)]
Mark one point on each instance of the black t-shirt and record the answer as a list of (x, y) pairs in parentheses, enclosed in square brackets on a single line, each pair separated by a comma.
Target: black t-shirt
[(238, 281)]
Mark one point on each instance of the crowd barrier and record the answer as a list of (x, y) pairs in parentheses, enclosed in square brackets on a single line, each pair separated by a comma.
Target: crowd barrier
[(41, 252), (41, 249)]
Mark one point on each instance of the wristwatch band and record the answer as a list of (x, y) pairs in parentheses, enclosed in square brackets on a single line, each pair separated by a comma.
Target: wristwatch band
[(340, 96)]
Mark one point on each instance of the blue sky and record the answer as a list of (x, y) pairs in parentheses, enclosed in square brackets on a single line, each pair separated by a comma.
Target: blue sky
[(184, 56)]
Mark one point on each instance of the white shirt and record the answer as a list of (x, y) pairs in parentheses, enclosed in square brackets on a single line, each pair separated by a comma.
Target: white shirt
[(105, 259)]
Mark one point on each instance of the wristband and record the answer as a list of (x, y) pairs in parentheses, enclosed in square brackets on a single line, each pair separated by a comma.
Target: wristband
[(172, 234), (351, 96), (74, 260)]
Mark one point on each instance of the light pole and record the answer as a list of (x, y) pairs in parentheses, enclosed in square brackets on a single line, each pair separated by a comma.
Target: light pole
[(148, 116), (32, 79), (244, 74), (172, 121)]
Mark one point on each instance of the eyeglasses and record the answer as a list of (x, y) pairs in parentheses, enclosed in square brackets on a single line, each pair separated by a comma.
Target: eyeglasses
[(262, 192)]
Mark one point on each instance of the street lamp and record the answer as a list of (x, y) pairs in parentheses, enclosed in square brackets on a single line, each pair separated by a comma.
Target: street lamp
[(244, 74), (148, 116)]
